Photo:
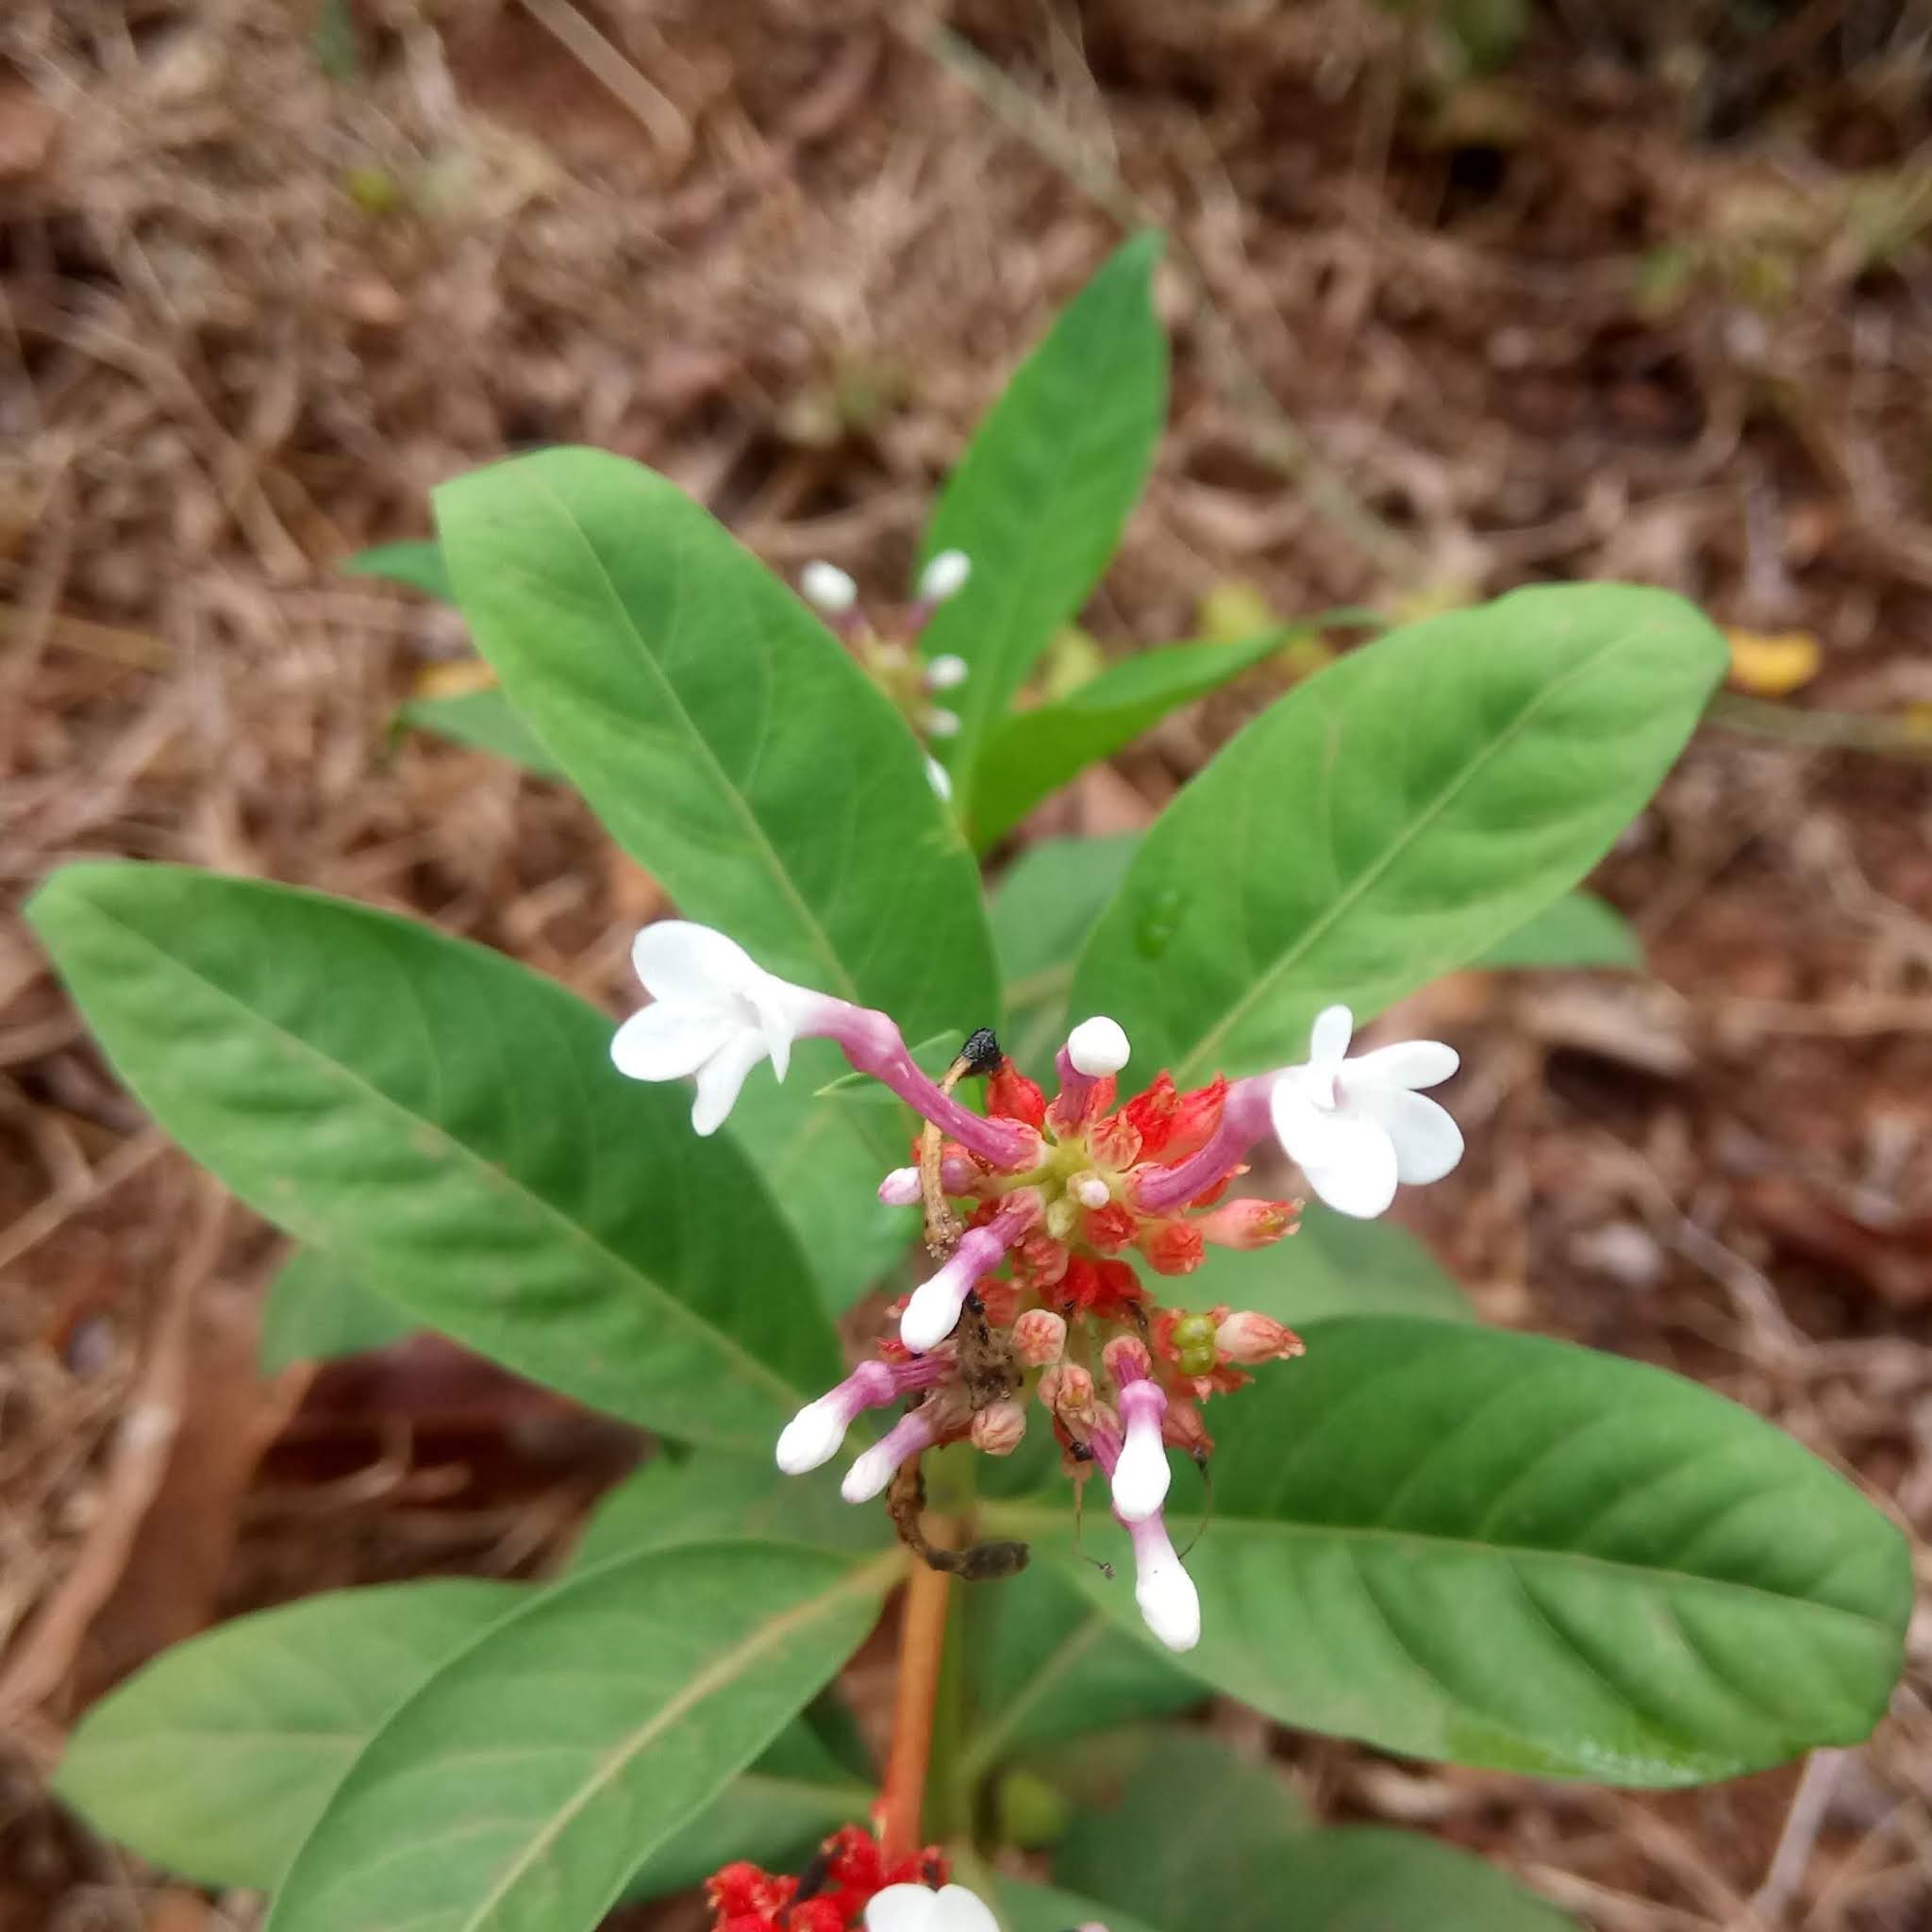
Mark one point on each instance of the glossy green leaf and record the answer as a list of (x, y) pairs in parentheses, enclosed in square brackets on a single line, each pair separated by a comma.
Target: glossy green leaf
[(1028, 755), (531, 1776), (1460, 1543), (729, 744), (446, 1127), (417, 563), (1028, 1907), (775, 1814), (484, 721), (1202, 1840), (1335, 1265), (1393, 816), (315, 1311), (215, 1760), (1046, 1665), (1574, 930), (711, 1497), (1040, 496)]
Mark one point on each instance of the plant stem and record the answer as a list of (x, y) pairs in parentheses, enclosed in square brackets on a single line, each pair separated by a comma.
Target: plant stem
[(921, 1649)]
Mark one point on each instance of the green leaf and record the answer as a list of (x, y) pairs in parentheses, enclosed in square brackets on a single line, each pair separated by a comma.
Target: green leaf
[(1202, 1840), (1393, 816), (446, 1127), (1335, 1265), (727, 741), (484, 721), (1177, 1826), (532, 1774), (1047, 1666), (1040, 496), (1574, 930), (216, 1759), (773, 1814), (315, 1311), (1028, 1907), (417, 563), (1029, 753), (1460, 1543), (709, 1497)]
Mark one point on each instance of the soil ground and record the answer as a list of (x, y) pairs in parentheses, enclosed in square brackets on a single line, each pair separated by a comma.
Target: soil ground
[(1647, 296)]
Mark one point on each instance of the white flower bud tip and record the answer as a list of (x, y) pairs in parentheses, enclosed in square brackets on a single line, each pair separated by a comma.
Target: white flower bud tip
[(942, 723), (869, 1475), (1140, 1476), (828, 587), (944, 576), (932, 1313), (1091, 1191), (1170, 1605), (811, 1438), (940, 779), (900, 1188), (946, 673), (1098, 1046)]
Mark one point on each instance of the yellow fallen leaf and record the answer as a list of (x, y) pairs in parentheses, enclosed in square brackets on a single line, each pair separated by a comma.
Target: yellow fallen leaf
[(1233, 610), (454, 680), (1773, 665)]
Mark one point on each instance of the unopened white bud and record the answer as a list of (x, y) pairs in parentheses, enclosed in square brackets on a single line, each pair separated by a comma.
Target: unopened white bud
[(940, 779), (828, 587), (1090, 1191), (900, 1188), (1098, 1046), (947, 671), (940, 723), (813, 1437), (1170, 1605), (944, 576), (869, 1475)]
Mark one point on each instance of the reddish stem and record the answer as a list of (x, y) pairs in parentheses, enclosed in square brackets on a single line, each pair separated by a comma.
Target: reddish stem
[(922, 1644)]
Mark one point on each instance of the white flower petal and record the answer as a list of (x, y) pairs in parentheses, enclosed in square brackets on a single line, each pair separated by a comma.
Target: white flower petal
[(1328, 1038), (902, 1908), (940, 779), (1300, 1125), (932, 1312), (1407, 1063), (677, 960), (669, 1038), (1170, 1604), (1353, 1168), (959, 1910), (940, 723), (1098, 1046), (947, 671), (900, 1188), (874, 1469), (1427, 1139), (721, 1078)]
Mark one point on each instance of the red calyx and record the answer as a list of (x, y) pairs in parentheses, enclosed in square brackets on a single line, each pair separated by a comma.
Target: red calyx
[(1010, 1096)]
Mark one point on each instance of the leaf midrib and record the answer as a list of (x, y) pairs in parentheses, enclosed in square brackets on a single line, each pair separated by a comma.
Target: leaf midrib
[(1344, 901), (755, 829), (723, 1671), (749, 1365), (1041, 1519)]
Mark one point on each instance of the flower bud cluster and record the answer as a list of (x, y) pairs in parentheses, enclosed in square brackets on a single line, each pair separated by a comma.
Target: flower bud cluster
[(888, 649), (848, 1878)]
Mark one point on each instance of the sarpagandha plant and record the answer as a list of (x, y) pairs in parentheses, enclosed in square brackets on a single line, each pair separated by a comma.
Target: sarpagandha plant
[(1404, 1527)]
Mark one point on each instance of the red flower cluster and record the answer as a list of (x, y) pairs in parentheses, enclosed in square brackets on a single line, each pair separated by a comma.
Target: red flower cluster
[(829, 1896)]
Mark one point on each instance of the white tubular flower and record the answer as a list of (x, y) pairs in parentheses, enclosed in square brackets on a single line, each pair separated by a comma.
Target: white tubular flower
[(1098, 1046), (714, 1012), (947, 671), (900, 1188), (913, 1908), (940, 723), (1170, 1605), (944, 576), (827, 588), (1356, 1127), (940, 779)]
